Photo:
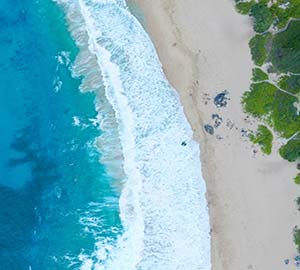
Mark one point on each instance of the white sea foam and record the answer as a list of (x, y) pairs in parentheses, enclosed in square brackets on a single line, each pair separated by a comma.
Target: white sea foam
[(162, 206)]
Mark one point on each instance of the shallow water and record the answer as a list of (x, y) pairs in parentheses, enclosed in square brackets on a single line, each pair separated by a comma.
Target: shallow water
[(55, 196)]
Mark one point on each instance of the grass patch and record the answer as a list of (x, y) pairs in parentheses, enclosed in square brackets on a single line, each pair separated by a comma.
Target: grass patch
[(263, 138), (245, 7), (290, 83), (258, 48), (260, 99), (259, 75), (291, 150), (263, 17), (285, 51), (285, 119)]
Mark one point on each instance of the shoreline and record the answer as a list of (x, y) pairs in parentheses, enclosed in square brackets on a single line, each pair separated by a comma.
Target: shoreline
[(250, 196)]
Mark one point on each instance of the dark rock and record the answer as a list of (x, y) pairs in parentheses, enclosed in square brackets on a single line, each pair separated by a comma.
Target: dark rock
[(218, 120), (220, 99), (209, 129)]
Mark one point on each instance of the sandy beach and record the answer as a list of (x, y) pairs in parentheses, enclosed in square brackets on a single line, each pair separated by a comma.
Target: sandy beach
[(203, 47)]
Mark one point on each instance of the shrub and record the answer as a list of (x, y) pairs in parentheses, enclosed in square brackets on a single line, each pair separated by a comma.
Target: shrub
[(297, 179), (297, 238), (263, 17), (264, 138), (298, 202), (291, 150), (285, 51), (260, 99), (258, 48), (283, 15), (259, 75), (244, 7), (290, 83), (284, 116)]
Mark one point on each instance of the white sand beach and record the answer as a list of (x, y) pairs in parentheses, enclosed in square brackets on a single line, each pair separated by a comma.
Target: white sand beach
[(203, 46)]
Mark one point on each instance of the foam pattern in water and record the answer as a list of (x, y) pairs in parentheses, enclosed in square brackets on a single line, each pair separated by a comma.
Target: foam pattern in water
[(162, 206)]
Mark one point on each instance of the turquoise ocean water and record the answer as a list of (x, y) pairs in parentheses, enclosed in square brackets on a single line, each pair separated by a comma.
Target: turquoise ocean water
[(98, 168)]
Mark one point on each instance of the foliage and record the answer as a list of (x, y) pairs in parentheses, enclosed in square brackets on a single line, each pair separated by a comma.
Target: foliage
[(291, 150), (285, 51), (290, 83), (258, 48), (282, 15), (259, 75), (297, 180), (284, 115), (264, 138), (263, 17), (244, 7), (298, 199), (260, 99), (297, 238)]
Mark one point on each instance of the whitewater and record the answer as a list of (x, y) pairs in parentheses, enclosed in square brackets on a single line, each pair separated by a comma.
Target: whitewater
[(163, 208)]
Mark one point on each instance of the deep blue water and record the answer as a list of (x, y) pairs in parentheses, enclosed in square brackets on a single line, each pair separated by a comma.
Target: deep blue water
[(51, 180)]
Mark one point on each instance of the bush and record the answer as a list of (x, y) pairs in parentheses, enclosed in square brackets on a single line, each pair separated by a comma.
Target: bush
[(285, 52), (244, 7), (258, 48), (263, 17), (282, 16), (284, 116), (260, 99), (298, 202), (264, 138), (259, 75), (297, 179), (297, 238), (290, 83), (291, 150)]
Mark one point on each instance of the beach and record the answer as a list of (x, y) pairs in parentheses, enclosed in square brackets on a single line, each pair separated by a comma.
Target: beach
[(203, 47)]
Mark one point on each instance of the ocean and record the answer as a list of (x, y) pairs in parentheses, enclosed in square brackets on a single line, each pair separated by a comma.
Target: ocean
[(98, 167)]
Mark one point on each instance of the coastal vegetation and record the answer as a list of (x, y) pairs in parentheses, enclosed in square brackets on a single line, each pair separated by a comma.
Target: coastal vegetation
[(276, 47), (291, 150), (264, 138), (258, 48), (285, 50), (259, 75), (290, 83), (263, 17), (297, 238), (297, 179)]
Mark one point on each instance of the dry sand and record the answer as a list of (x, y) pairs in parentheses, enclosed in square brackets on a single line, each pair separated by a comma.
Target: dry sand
[(203, 46)]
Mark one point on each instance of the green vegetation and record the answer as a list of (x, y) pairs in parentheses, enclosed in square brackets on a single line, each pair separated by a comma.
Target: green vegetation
[(298, 202), (278, 106), (258, 48), (245, 7), (260, 99), (263, 17), (259, 75), (285, 51), (290, 83), (264, 138), (291, 150), (297, 238), (284, 114), (283, 10), (297, 179)]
